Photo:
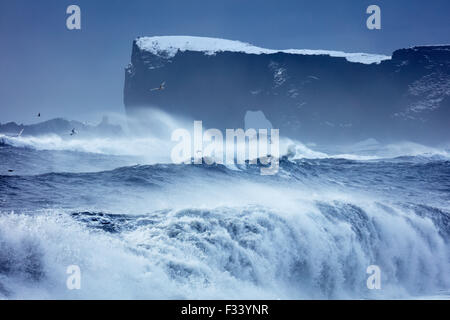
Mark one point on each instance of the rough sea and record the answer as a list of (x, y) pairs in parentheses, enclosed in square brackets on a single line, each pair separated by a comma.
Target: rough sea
[(164, 231)]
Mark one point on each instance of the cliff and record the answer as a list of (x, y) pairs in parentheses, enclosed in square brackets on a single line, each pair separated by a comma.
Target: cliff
[(315, 96)]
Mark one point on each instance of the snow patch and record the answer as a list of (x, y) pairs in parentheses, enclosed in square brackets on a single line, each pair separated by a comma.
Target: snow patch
[(169, 46)]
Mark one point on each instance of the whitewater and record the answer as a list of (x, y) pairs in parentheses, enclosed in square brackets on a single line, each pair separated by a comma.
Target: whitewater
[(140, 227)]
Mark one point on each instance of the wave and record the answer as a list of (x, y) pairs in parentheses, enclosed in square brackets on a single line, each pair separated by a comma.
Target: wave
[(368, 150), (315, 250), (206, 231), (124, 146), (134, 188), (153, 149)]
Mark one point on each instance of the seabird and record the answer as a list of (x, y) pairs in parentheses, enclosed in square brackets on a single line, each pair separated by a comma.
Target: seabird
[(10, 170), (161, 87), (39, 114), (18, 135), (73, 132)]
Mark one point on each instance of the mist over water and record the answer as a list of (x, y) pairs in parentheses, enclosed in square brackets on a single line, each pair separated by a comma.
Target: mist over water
[(140, 227)]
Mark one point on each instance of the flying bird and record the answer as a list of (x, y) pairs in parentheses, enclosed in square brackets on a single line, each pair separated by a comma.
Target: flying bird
[(19, 134), (73, 132), (10, 170), (39, 114), (161, 87)]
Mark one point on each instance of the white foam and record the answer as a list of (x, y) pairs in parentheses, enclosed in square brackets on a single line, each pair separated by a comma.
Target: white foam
[(169, 46), (288, 250)]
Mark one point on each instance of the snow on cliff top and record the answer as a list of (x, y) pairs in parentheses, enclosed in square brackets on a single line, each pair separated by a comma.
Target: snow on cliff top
[(168, 46)]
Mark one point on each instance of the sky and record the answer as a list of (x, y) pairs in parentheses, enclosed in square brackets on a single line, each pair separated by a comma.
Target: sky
[(79, 74)]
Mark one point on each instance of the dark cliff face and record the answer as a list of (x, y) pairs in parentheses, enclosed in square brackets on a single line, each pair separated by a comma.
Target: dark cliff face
[(314, 98)]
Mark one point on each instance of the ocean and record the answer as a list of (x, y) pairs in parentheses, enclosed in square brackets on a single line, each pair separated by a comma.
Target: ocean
[(141, 229)]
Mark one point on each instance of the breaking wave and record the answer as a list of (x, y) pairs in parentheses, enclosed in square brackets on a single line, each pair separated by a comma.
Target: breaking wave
[(235, 253), (208, 232), (157, 149)]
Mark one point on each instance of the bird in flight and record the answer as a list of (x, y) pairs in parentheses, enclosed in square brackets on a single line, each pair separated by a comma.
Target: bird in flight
[(10, 170), (73, 132), (19, 134), (39, 114), (161, 87)]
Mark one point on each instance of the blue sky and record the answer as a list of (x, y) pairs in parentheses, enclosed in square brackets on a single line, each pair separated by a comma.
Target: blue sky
[(79, 74)]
